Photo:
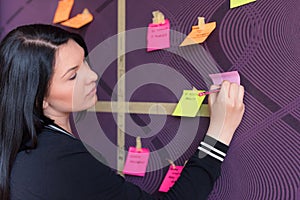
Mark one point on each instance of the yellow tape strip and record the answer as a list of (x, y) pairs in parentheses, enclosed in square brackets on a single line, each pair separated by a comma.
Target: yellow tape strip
[(121, 85), (143, 108)]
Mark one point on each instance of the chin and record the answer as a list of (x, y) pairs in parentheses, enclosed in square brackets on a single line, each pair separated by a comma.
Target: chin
[(96, 99), (93, 103), (88, 104)]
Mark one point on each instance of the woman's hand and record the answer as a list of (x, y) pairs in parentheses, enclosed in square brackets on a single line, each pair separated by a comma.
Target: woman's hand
[(226, 111)]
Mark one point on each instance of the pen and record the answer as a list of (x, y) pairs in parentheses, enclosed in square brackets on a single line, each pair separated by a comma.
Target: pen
[(209, 92)]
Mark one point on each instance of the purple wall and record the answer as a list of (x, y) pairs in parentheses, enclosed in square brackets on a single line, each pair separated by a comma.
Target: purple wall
[(260, 40)]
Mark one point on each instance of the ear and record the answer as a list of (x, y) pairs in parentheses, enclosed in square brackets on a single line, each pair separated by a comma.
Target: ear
[(45, 104)]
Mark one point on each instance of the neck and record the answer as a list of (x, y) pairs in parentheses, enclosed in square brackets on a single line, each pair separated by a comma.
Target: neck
[(61, 119), (63, 122)]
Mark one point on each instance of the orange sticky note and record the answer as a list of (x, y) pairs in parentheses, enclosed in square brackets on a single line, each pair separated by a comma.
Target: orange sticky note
[(63, 10), (199, 34), (79, 20)]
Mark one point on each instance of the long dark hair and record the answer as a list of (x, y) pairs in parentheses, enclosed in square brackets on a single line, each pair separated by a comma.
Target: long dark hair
[(27, 57)]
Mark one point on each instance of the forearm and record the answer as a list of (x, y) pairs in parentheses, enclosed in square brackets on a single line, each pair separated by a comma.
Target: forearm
[(200, 173)]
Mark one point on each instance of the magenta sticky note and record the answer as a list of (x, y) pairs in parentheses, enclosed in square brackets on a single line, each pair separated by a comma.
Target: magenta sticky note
[(170, 178), (232, 77), (158, 36), (136, 161)]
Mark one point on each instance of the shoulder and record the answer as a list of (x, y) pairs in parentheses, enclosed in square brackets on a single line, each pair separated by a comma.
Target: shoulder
[(51, 145), (56, 167), (55, 140), (54, 145)]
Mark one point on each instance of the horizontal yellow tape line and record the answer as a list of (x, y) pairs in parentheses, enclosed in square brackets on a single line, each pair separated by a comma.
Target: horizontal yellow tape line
[(153, 108)]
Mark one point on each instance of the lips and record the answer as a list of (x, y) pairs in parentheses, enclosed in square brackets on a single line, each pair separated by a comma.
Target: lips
[(92, 91)]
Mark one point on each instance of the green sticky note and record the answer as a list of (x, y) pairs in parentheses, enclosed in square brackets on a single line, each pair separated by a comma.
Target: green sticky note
[(236, 3), (189, 103)]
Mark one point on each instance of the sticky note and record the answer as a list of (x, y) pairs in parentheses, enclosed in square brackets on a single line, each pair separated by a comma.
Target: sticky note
[(236, 3), (189, 103), (79, 20), (232, 77), (199, 34), (171, 177), (63, 10), (158, 36), (136, 161)]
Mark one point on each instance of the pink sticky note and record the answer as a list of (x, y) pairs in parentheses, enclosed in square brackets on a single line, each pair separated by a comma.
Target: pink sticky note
[(136, 162), (170, 178), (232, 77), (158, 36)]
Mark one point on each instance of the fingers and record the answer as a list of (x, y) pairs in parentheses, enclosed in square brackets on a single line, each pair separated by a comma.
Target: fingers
[(229, 90), (212, 97), (236, 96), (223, 94), (233, 92), (241, 95)]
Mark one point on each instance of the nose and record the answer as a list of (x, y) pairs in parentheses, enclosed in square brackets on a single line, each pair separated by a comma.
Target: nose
[(93, 76)]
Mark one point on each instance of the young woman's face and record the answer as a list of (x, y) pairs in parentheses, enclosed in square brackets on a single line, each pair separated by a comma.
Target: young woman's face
[(73, 85)]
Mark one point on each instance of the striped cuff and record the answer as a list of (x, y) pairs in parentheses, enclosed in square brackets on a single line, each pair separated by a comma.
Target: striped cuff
[(212, 147)]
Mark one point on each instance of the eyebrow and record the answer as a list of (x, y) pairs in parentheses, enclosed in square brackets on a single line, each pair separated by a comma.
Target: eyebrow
[(73, 68)]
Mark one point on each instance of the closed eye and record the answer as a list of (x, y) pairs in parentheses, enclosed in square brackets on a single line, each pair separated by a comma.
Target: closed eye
[(73, 77)]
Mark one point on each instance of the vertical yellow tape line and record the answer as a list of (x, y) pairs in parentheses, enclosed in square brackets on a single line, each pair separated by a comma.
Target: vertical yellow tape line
[(121, 85)]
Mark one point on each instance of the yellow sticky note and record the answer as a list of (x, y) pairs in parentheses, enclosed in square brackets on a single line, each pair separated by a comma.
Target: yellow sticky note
[(199, 34), (236, 3), (63, 10), (189, 103), (79, 20)]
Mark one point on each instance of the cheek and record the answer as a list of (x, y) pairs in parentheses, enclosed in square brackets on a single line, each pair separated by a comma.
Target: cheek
[(78, 91), (62, 97), (79, 95)]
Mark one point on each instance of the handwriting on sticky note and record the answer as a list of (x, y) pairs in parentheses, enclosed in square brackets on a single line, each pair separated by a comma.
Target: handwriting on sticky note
[(189, 103), (232, 77), (199, 34), (171, 177), (63, 10), (158, 36), (236, 3), (136, 161), (79, 20)]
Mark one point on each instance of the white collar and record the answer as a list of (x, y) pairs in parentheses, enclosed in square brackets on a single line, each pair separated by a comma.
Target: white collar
[(59, 129)]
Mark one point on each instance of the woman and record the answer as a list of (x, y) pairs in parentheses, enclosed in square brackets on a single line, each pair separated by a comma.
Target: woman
[(43, 78)]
